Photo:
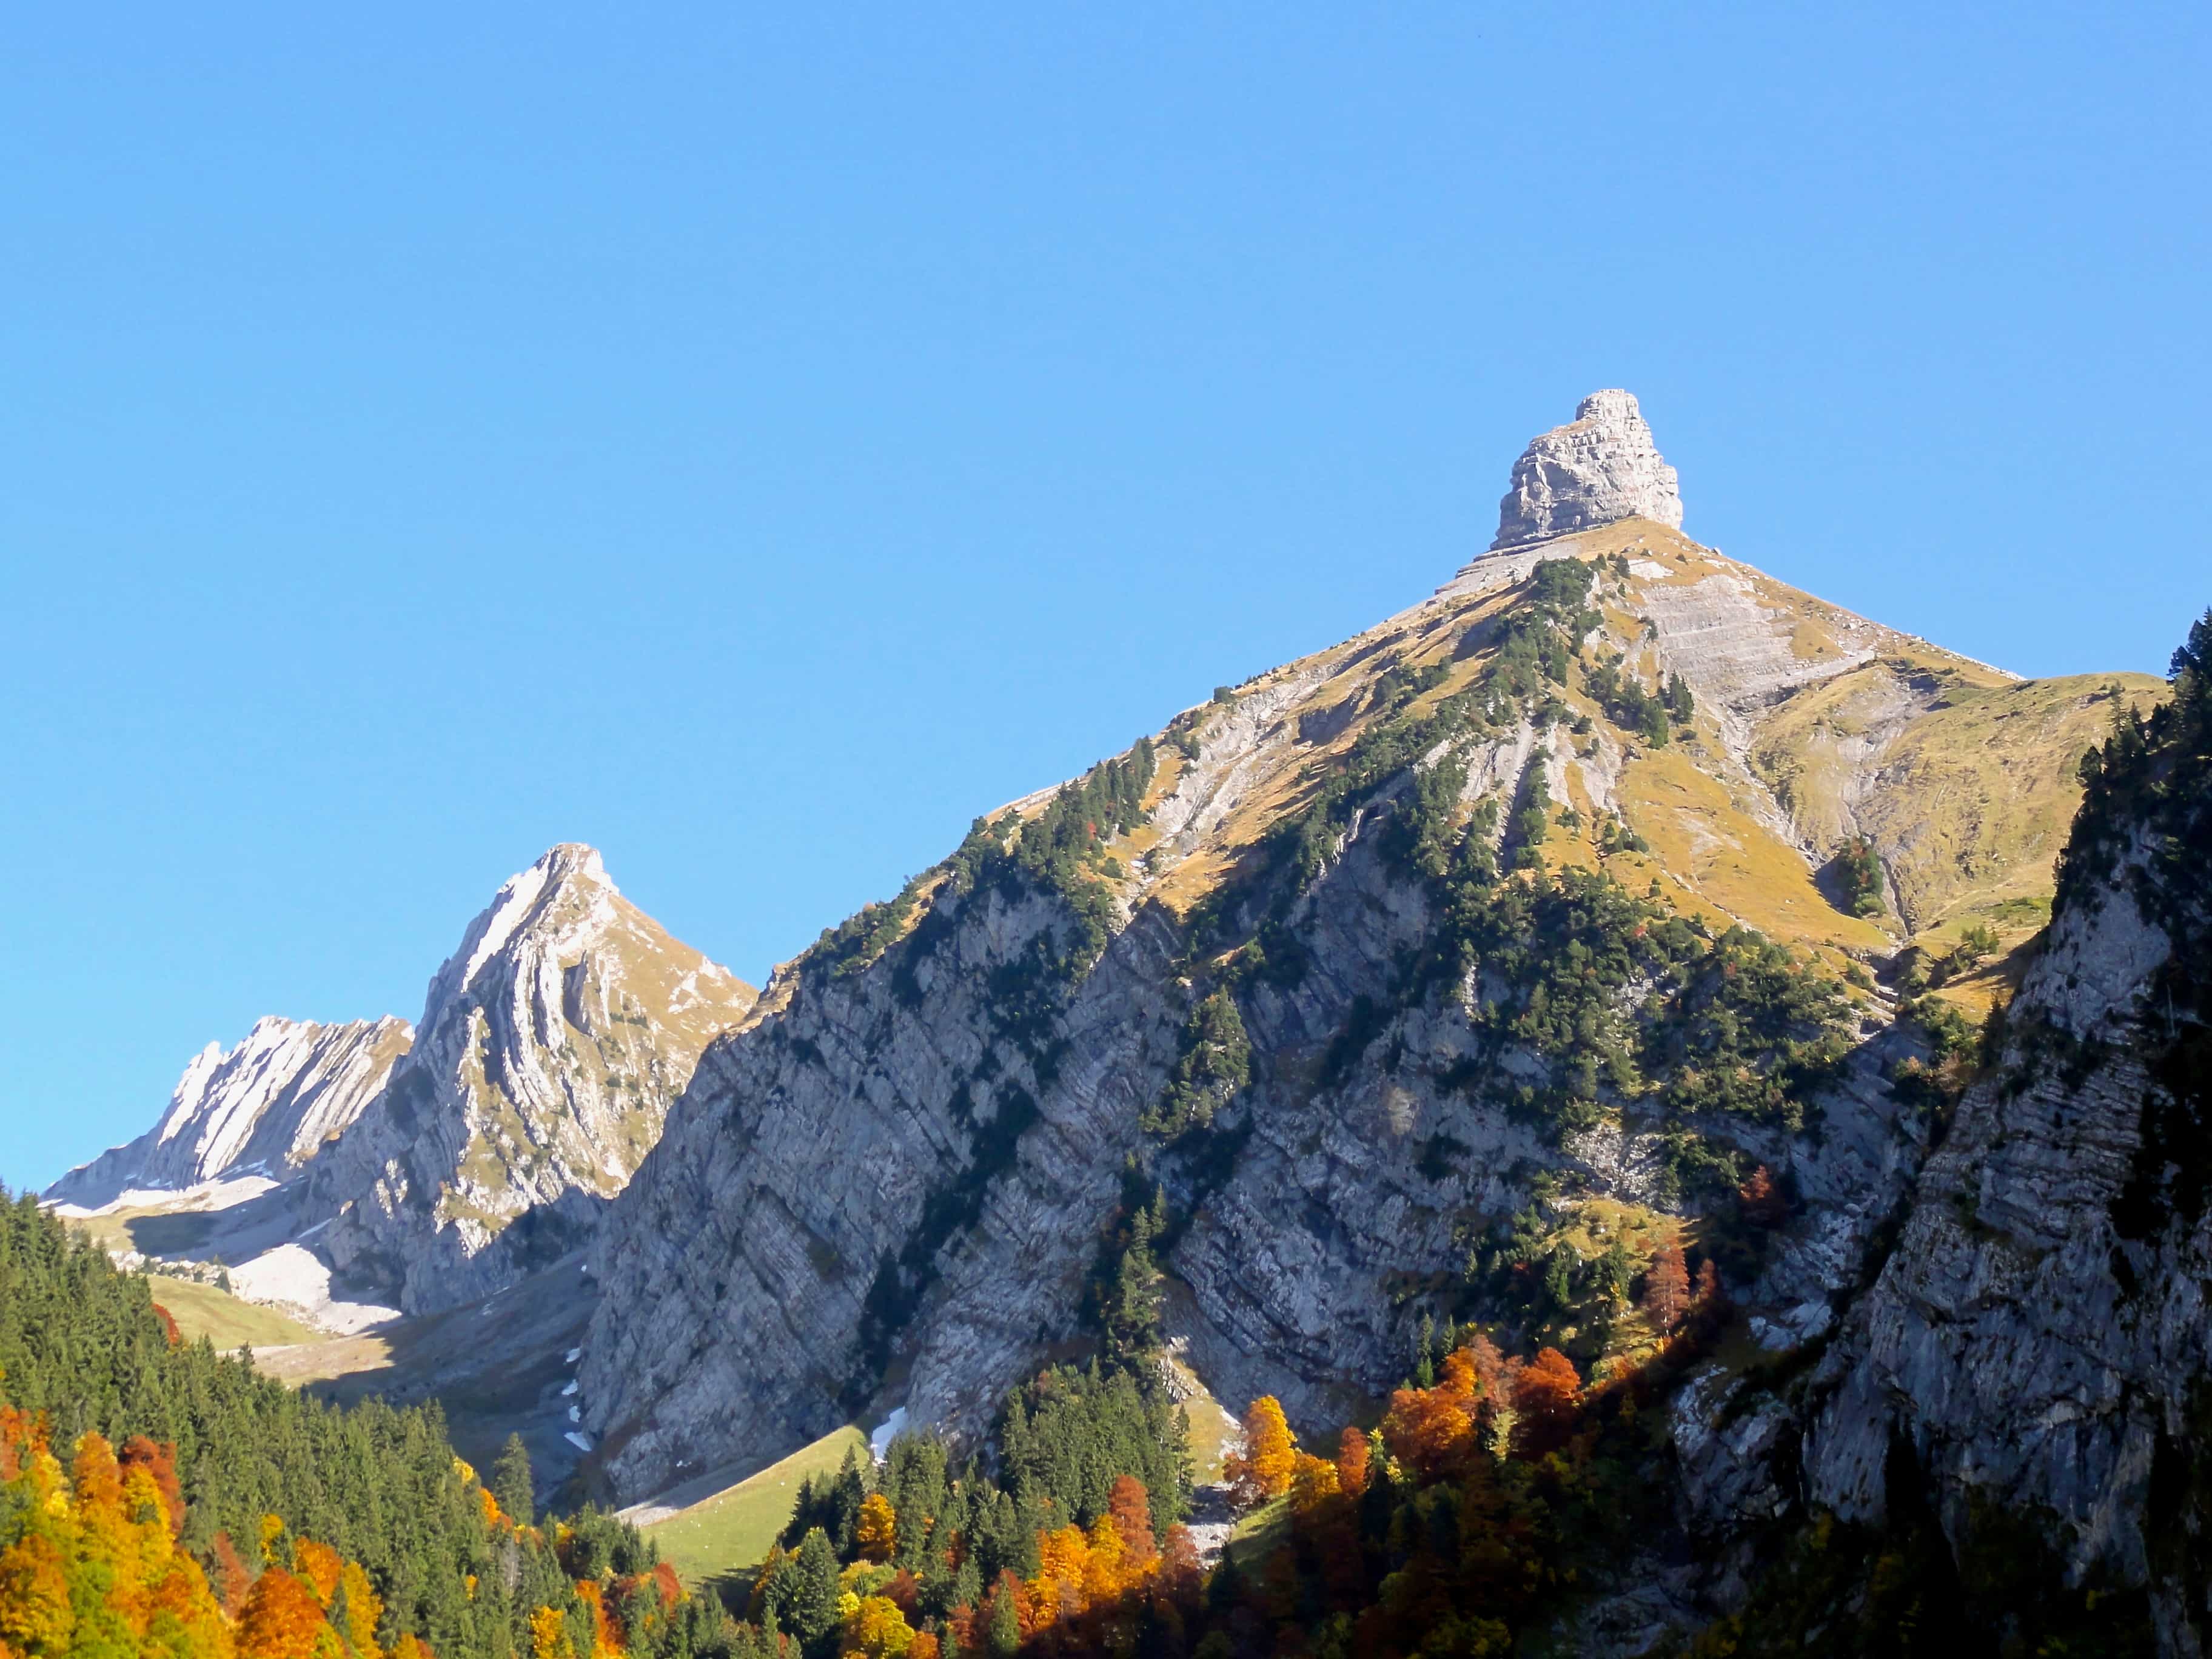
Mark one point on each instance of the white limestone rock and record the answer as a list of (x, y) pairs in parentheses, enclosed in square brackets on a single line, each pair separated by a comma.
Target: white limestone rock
[(245, 1120), (1600, 467), (550, 1048)]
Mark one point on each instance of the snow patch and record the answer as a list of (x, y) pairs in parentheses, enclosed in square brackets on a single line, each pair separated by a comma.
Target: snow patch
[(292, 1276), (880, 1443), (581, 1441)]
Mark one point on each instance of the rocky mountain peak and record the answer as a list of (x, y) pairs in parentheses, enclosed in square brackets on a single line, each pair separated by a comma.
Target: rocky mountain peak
[(566, 892), (551, 1043), (435, 1164), (1600, 467), (262, 1110)]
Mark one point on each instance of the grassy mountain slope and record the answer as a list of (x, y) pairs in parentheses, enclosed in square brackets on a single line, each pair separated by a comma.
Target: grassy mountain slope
[(1813, 725)]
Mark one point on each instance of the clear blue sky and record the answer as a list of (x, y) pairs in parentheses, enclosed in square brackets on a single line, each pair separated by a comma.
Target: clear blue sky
[(755, 440)]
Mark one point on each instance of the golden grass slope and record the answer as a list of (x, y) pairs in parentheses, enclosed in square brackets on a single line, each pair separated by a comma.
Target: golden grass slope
[(1815, 726), (225, 1320)]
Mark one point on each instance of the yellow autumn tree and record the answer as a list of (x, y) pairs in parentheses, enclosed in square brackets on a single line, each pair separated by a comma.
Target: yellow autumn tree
[(364, 1607), (1259, 1470), (548, 1636), (875, 1628), (35, 1615), (93, 1566), (1314, 1481), (1063, 1563), (877, 1532)]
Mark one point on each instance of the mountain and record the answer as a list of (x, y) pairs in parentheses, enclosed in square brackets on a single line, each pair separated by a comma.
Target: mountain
[(355, 1169), (1724, 1083), (257, 1113), (1448, 972), (551, 1045)]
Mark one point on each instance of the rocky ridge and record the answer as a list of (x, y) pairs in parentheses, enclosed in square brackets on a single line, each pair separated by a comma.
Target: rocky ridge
[(2041, 1337), (355, 1173), (258, 1113), (1600, 467)]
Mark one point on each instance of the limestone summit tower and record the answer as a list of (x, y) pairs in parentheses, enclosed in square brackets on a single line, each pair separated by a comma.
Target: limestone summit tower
[(1600, 467)]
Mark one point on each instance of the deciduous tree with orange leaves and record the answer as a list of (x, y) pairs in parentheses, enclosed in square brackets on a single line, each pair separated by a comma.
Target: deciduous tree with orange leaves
[(1544, 1396), (1259, 1470), (1433, 1431), (283, 1620), (1667, 1289), (1352, 1461), (1130, 1507)]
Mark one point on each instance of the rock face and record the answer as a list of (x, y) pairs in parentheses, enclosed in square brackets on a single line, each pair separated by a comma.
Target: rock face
[(889, 1190), (262, 1111), (550, 1048), (1599, 468), (2043, 1345)]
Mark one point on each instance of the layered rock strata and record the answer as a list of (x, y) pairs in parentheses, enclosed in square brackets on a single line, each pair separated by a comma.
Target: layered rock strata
[(260, 1111), (550, 1048), (890, 1191)]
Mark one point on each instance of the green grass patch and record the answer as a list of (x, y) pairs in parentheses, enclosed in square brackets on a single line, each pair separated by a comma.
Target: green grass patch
[(733, 1530), (204, 1310), (1256, 1535)]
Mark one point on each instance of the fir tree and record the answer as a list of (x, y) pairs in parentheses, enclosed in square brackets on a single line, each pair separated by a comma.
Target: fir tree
[(511, 1488)]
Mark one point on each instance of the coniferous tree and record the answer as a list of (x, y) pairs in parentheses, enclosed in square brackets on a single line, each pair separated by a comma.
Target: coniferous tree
[(511, 1485), (813, 1618)]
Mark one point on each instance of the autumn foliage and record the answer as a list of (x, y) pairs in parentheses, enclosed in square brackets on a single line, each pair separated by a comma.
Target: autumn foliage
[(1667, 1290), (93, 1566), (1260, 1468)]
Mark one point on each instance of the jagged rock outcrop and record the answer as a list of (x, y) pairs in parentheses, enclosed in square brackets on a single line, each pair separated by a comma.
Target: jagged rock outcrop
[(259, 1112), (1599, 468), (550, 1048)]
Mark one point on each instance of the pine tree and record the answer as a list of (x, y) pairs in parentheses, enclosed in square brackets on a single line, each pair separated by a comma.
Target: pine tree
[(511, 1487), (814, 1594), (1003, 1629)]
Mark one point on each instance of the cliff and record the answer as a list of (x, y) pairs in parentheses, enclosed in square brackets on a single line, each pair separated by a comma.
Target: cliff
[(1598, 468), (2040, 1337)]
